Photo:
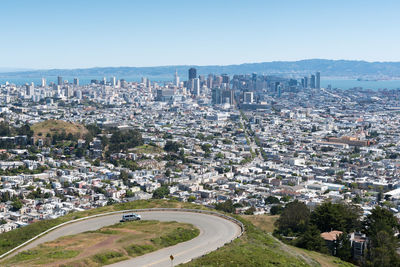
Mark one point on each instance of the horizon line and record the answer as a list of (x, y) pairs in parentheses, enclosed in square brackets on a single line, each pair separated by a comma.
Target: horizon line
[(21, 69)]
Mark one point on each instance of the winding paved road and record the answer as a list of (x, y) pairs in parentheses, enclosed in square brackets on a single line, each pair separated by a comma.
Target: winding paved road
[(214, 233)]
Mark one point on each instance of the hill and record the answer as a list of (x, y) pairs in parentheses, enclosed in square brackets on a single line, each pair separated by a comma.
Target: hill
[(44, 128), (328, 68), (254, 248)]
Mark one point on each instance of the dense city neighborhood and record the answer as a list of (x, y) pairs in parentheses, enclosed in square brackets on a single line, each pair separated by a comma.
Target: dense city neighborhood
[(254, 142)]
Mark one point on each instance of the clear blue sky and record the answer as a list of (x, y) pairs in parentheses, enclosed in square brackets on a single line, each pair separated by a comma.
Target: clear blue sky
[(89, 33)]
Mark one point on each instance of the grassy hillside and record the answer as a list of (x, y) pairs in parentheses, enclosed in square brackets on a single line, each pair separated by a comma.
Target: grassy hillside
[(255, 248), (42, 129), (266, 222)]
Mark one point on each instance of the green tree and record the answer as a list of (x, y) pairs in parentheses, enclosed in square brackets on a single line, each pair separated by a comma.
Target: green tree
[(79, 152), (123, 140), (25, 130), (380, 219), (342, 217), (191, 198), (294, 218), (383, 251), (380, 227), (276, 209), (129, 193), (96, 162), (171, 146), (250, 211), (311, 239), (93, 129), (343, 247), (226, 206), (272, 200), (161, 192), (123, 175), (16, 205), (206, 148)]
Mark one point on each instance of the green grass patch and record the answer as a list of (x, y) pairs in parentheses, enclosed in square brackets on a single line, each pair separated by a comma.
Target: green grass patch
[(138, 250), (148, 149), (108, 232), (108, 257), (176, 236), (41, 256), (63, 254)]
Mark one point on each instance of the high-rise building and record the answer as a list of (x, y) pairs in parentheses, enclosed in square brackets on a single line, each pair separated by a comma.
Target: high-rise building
[(217, 81), (305, 82), (318, 80), (68, 91), (254, 80), (76, 81), (228, 96), (216, 96), (196, 86), (312, 81), (113, 81), (225, 78), (176, 79), (254, 77), (248, 97), (225, 81), (59, 80), (30, 89), (192, 73), (292, 82), (210, 80), (78, 94), (279, 92), (276, 85), (43, 82), (124, 84)]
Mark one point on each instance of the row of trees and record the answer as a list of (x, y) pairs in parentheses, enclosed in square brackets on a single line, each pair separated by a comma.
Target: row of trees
[(297, 221), (123, 140), (7, 130)]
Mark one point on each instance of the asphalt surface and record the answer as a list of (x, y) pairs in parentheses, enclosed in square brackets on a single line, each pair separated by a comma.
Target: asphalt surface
[(214, 233)]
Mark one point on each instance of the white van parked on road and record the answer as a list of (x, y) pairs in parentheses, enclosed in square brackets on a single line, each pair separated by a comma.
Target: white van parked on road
[(130, 217)]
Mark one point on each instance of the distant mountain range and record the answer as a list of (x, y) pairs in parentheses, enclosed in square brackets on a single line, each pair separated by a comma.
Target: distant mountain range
[(328, 68)]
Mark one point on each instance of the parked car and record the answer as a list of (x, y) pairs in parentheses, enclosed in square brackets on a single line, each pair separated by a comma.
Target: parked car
[(130, 217)]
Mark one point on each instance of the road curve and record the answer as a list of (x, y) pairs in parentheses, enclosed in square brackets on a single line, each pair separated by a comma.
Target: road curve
[(214, 233)]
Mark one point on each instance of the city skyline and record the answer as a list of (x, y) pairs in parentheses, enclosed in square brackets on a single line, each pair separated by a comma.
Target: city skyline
[(46, 34)]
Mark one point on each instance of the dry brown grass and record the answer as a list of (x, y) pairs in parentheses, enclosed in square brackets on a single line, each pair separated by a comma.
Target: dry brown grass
[(41, 129), (264, 222)]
